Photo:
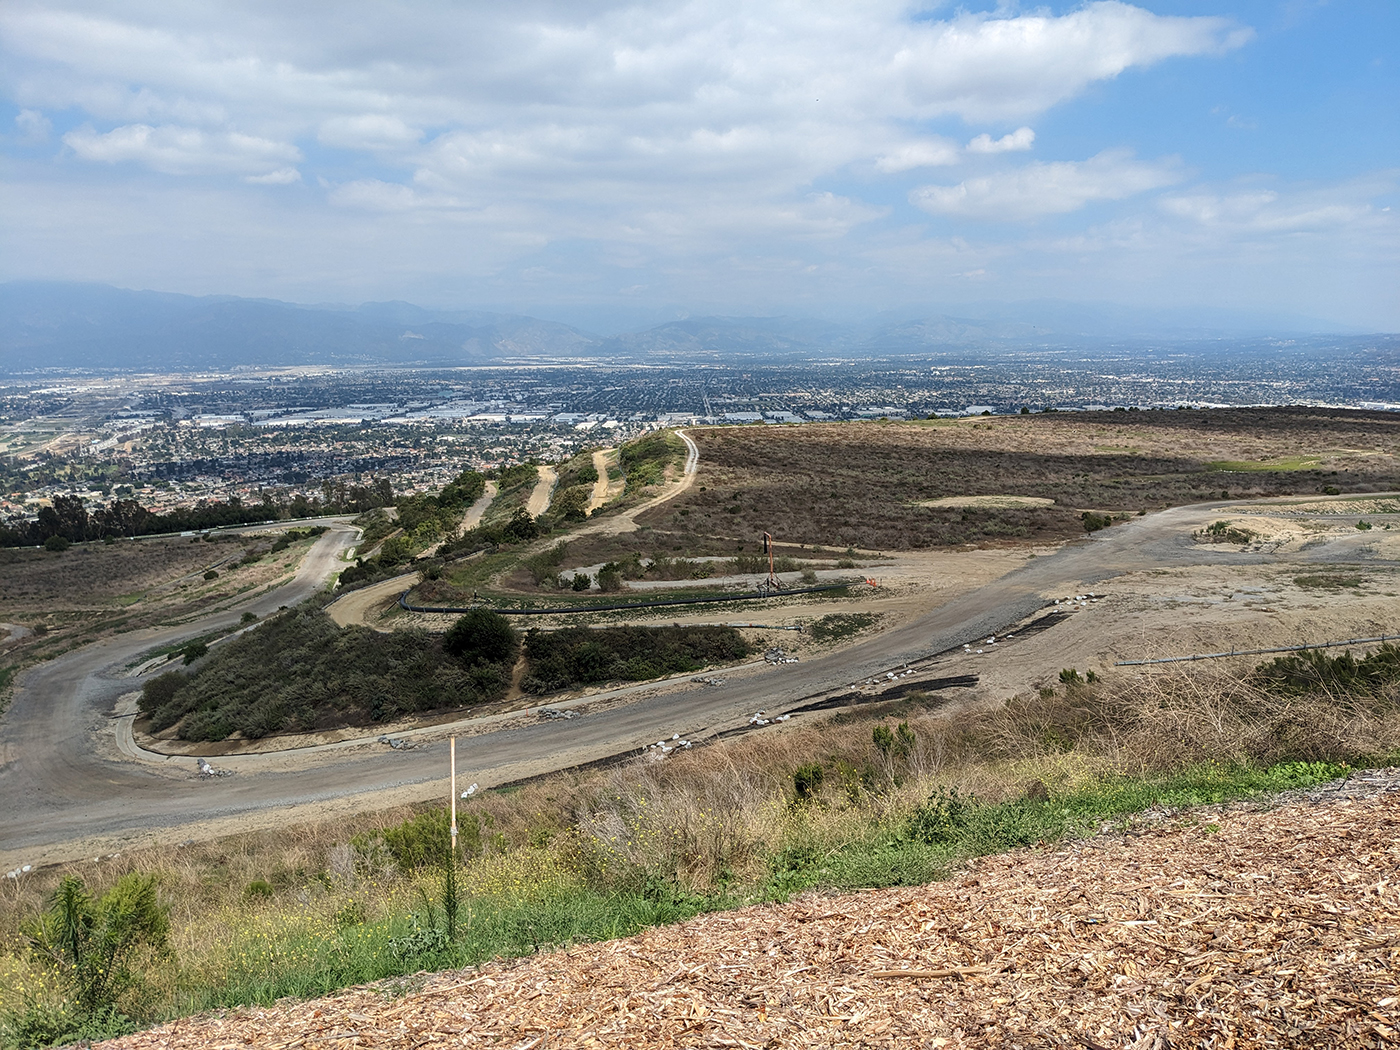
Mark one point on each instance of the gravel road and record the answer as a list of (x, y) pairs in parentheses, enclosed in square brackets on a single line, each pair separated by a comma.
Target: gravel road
[(64, 782)]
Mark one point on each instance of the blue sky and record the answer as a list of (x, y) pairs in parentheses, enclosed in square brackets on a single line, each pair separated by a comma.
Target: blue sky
[(600, 159)]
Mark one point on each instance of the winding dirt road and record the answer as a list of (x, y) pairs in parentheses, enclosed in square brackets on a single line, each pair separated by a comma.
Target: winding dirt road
[(66, 785), (543, 490)]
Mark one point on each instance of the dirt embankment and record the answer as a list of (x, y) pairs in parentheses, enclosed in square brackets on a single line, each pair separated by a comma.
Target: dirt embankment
[(1237, 928)]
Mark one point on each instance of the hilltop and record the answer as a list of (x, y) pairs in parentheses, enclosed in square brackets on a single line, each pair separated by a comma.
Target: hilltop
[(1241, 927)]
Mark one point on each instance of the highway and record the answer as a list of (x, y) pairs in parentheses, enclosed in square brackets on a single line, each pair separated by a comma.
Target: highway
[(63, 780)]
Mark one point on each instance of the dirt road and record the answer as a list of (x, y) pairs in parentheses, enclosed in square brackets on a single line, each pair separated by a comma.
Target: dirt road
[(66, 786), (602, 487), (543, 490)]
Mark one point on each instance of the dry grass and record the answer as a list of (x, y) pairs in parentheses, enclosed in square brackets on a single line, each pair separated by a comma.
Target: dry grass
[(861, 483), (716, 821)]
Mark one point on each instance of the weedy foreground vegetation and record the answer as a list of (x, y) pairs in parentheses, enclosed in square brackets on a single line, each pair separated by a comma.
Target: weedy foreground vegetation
[(899, 796)]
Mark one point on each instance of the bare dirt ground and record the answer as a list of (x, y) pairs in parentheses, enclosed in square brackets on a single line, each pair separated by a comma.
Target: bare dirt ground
[(543, 490), (1234, 927), (604, 489)]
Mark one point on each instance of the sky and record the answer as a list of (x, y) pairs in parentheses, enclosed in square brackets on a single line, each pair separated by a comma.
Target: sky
[(609, 162)]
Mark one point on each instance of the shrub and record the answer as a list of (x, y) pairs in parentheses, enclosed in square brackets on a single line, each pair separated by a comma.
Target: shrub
[(158, 692), (521, 526), (57, 544), (1313, 670), (211, 575), (940, 818), (258, 889), (807, 781), (194, 651), (1224, 532), (299, 672), (582, 656), (1093, 522), (582, 581), (841, 625), (482, 637), (96, 944), (898, 743)]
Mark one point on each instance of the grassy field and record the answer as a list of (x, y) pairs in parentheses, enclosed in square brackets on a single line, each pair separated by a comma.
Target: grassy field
[(899, 795)]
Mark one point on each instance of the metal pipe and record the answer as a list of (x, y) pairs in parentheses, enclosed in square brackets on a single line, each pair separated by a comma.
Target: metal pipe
[(1257, 652)]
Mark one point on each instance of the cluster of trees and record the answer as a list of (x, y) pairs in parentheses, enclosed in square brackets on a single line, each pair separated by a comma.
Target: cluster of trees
[(68, 518), (300, 672), (582, 656)]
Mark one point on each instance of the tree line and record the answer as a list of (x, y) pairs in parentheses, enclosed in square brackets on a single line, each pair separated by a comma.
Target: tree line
[(68, 518)]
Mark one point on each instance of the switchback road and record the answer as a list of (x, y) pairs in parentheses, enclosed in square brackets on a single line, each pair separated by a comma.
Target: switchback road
[(63, 783)]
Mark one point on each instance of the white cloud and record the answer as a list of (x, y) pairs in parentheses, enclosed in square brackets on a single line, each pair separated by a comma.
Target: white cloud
[(1019, 140), (280, 177), (33, 126), (1266, 211), (1048, 188), (929, 153), (368, 131), (376, 195), (744, 85), (180, 151)]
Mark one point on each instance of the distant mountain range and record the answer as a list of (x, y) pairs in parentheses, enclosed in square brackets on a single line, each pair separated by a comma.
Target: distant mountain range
[(53, 325)]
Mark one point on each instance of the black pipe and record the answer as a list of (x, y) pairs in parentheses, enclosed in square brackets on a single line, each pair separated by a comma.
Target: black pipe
[(403, 603)]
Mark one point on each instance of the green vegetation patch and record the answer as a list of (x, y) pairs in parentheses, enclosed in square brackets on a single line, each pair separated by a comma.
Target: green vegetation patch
[(1314, 670), (299, 672), (578, 656), (841, 625), (1225, 532), (949, 827), (644, 461), (1329, 581)]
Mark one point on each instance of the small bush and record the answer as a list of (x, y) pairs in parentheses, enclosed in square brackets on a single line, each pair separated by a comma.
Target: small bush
[(807, 781), (258, 889), (940, 818), (1094, 522), (194, 651), (483, 637), (211, 574), (841, 625), (98, 945), (582, 581), (56, 544), (521, 527)]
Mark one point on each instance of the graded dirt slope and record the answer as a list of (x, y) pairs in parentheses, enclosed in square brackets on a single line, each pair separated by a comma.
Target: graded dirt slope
[(1232, 929)]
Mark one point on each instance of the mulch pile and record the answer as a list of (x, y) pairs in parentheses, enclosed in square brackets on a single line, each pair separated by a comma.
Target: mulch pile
[(1232, 928)]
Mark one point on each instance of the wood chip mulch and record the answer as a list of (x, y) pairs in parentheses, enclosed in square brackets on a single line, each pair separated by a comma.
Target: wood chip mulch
[(1240, 928)]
